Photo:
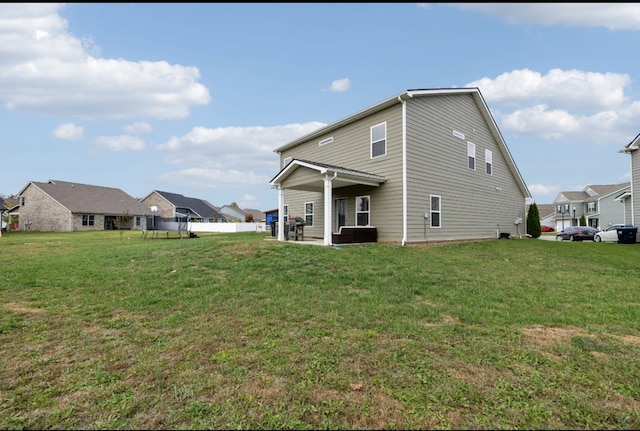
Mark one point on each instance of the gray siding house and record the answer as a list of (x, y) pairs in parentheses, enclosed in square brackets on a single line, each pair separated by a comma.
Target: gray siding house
[(422, 166), (176, 206), (61, 206), (602, 205), (631, 200)]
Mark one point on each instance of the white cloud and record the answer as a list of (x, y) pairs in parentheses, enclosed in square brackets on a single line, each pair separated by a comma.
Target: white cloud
[(567, 105), (613, 16), (137, 128), (68, 131), (575, 88), (550, 192), (46, 70), (229, 156), (340, 85), (120, 143)]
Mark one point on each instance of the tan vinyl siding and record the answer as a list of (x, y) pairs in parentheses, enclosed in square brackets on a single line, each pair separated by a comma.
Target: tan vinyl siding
[(438, 165), (635, 187), (351, 148)]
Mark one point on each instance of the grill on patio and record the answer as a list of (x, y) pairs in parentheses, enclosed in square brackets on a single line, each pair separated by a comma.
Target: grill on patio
[(294, 229)]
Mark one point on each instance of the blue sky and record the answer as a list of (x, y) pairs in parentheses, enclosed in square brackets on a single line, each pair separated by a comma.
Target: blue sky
[(193, 98)]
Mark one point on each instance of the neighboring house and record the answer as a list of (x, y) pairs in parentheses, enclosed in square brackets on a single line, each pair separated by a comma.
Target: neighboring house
[(174, 206), (601, 205), (62, 206), (422, 166), (547, 214), (233, 212), (631, 199)]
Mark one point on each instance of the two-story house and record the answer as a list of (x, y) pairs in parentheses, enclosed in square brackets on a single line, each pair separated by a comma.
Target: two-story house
[(601, 205), (631, 200), (422, 166)]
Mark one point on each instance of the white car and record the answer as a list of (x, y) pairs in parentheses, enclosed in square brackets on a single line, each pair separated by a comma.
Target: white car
[(609, 234)]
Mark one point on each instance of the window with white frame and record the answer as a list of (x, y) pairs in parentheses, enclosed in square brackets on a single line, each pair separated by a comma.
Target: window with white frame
[(88, 220), (308, 213), (591, 207), (285, 211), (379, 140), (362, 211), (471, 155), (435, 211), (488, 161)]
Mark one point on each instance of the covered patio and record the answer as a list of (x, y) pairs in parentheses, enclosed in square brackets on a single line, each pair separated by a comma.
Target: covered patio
[(319, 177)]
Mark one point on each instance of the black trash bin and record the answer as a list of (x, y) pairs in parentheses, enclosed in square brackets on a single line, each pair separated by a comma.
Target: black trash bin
[(627, 234)]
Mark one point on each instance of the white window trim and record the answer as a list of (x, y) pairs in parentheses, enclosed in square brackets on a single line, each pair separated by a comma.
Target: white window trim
[(285, 210), (313, 208), (488, 162), (368, 211), (471, 154), (379, 140), (438, 211)]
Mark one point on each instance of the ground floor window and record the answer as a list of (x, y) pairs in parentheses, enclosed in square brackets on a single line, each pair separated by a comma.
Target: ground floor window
[(87, 220), (435, 211), (362, 211), (308, 213)]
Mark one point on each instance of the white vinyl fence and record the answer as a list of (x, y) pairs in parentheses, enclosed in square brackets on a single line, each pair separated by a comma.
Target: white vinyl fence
[(227, 227)]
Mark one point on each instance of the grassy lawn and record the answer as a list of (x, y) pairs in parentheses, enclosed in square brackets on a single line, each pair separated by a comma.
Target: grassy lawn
[(103, 330)]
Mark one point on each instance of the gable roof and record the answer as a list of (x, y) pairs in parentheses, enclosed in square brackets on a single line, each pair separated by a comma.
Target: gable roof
[(408, 94), (200, 207), (607, 189), (546, 210), (84, 198), (344, 176), (631, 146), (591, 192)]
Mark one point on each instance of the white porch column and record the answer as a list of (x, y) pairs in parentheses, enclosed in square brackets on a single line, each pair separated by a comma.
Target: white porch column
[(327, 208), (280, 213)]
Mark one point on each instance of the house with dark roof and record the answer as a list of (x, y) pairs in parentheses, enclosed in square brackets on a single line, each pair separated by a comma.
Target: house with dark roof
[(174, 206), (602, 206), (62, 206), (424, 165)]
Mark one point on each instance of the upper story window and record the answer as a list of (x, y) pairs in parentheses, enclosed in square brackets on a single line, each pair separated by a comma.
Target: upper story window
[(362, 211), (592, 207), (326, 141), (286, 161), (22, 201), (308, 213), (379, 140), (471, 153), (488, 160), (435, 211)]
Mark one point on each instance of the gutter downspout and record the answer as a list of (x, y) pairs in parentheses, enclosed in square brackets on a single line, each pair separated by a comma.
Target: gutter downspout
[(404, 169)]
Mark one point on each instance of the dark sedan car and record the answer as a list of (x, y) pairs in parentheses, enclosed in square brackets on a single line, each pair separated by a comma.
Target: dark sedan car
[(577, 233)]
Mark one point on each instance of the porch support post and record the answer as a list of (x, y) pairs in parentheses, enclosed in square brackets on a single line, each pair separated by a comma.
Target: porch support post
[(280, 213), (327, 207)]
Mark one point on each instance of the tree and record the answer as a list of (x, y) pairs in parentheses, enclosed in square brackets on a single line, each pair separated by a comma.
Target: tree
[(533, 221), (583, 220)]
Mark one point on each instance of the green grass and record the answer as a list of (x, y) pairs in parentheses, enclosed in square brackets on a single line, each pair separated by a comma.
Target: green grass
[(100, 330)]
